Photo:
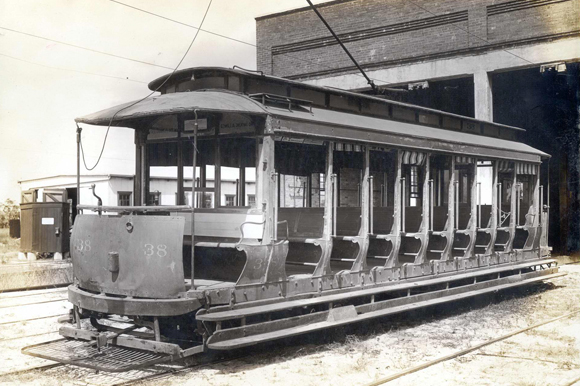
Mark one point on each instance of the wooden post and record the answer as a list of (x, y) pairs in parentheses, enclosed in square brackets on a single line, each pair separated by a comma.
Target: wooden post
[(329, 194), (139, 169), (265, 189), (364, 193)]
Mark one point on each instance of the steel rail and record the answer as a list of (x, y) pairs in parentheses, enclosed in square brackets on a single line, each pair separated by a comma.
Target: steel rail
[(30, 369), (28, 320), (467, 350), (31, 304), (6, 295)]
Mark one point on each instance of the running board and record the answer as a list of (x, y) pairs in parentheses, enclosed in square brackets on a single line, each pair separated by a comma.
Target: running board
[(218, 314), (251, 334)]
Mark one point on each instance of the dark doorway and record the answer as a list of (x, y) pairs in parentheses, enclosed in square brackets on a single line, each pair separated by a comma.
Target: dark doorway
[(72, 198), (546, 105), (451, 95)]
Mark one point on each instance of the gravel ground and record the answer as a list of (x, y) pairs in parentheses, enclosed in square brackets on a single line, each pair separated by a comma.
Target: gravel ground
[(363, 353)]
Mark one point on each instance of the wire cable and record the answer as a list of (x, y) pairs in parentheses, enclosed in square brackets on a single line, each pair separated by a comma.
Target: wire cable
[(85, 48), (70, 69), (286, 54), (234, 39), (141, 100)]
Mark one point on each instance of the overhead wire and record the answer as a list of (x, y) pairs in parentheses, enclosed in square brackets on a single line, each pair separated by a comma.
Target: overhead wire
[(85, 48), (234, 39), (70, 69), (141, 100), (289, 55)]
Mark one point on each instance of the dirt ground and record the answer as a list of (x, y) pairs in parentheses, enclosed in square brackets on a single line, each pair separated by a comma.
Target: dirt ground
[(363, 353)]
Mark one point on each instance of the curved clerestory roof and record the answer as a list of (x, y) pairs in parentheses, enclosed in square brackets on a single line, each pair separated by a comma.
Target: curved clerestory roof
[(318, 122)]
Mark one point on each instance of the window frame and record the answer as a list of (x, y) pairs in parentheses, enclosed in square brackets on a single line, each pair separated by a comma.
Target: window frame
[(130, 198)]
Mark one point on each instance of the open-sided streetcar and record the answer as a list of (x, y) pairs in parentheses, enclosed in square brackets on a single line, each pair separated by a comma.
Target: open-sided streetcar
[(346, 207)]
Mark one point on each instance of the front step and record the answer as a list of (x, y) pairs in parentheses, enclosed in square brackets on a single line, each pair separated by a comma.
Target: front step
[(252, 334), (84, 354), (86, 348), (219, 314)]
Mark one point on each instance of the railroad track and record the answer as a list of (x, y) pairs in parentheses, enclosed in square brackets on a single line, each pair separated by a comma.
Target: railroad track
[(425, 365), (31, 319), (160, 372), (19, 294), (155, 373), (33, 303)]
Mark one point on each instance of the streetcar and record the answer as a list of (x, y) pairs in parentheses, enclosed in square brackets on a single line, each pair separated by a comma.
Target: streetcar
[(346, 207)]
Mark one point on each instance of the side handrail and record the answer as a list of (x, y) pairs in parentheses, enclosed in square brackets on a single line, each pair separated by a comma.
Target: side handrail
[(479, 204), (128, 209), (403, 203), (431, 213), (372, 204), (334, 202), (456, 204)]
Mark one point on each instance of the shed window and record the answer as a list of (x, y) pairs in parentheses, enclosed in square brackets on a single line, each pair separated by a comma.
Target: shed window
[(124, 198), (230, 200), (154, 198)]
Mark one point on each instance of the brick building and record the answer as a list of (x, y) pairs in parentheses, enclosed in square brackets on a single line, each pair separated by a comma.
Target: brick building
[(512, 62)]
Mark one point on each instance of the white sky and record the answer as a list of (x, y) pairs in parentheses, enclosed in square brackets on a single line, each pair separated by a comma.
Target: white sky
[(38, 104)]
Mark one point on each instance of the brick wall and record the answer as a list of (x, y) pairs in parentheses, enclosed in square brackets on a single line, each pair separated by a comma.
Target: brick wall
[(381, 33)]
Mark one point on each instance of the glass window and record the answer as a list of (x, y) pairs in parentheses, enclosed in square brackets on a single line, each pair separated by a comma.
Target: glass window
[(252, 200), (154, 198), (317, 191), (124, 198), (230, 200)]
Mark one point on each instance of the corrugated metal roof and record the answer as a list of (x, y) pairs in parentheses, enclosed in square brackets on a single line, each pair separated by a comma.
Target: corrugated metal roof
[(404, 130), (176, 103)]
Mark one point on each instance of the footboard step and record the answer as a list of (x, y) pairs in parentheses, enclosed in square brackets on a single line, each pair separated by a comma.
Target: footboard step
[(347, 316), (85, 354), (225, 313)]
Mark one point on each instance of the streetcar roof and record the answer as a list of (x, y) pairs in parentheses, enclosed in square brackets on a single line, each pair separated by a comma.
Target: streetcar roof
[(344, 126), (318, 122), (128, 114)]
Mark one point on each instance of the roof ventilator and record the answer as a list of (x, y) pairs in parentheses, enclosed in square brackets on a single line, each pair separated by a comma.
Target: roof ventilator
[(274, 99)]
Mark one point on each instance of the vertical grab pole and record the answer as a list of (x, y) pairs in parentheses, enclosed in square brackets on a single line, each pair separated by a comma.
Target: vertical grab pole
[(372, 203), (193, 183), (275, 235), (548, 209), (404, 203), (479, 204), (79, 130), (456, 204), (499, 204), (541, 207), (334, 202), (431, 213), (518, 192)]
